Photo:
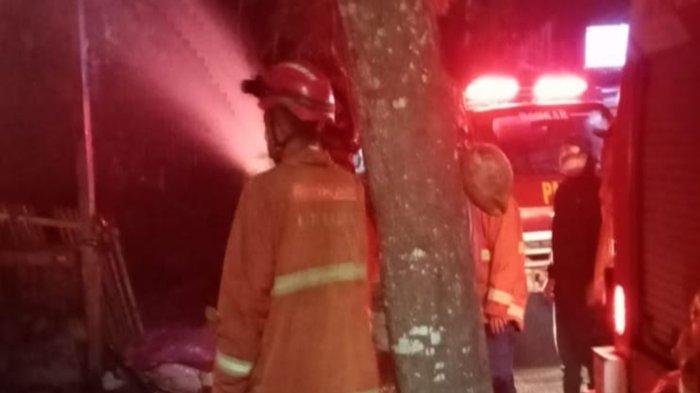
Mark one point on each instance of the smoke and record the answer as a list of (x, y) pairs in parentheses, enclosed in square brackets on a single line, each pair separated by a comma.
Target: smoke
[(189, 55)]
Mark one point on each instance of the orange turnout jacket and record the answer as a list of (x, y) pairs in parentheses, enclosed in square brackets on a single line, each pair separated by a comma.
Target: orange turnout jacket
[(294, 295), (500, 263), (605, 255)]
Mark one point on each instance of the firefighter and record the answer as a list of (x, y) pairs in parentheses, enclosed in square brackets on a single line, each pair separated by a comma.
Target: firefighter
[(293, 297), (498, 255), (575, 234), (600, 289)]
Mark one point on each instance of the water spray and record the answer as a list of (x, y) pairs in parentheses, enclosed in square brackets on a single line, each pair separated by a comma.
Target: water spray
[(185, 51)]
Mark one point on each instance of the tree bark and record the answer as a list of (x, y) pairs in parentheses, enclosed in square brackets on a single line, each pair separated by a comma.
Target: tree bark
[(407, 116)]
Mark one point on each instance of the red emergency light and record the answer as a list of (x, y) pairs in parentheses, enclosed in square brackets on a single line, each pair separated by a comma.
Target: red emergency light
[(620, 310), (559, 87), (492, 89)]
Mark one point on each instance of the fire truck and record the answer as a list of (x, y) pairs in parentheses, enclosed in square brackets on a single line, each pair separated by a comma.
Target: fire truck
[(656, 171), (530, 119)]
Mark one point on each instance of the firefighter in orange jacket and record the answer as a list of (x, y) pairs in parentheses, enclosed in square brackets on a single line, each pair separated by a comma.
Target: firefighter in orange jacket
[(293, 298), (499, 257), (500, 271), (501, 283)]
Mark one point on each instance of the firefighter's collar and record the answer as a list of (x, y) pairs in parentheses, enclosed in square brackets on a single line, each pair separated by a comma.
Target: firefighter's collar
[(313, 154)]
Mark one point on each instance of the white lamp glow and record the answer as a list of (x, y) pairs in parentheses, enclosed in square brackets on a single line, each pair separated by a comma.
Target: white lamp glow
[(606, 45)]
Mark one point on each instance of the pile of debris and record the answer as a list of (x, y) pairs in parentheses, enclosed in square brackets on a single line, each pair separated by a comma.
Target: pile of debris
[(44, 332), (45, 335)]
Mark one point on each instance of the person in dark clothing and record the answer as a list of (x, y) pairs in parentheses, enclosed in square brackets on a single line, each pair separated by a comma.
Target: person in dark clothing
[(575, 230)]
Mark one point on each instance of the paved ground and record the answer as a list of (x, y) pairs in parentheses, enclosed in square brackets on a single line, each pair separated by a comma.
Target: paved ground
[(530, 380), (543, 380), (539, 380), (536, 360)]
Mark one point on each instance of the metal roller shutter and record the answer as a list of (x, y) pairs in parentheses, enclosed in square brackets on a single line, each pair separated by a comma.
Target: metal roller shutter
[(671, 196)]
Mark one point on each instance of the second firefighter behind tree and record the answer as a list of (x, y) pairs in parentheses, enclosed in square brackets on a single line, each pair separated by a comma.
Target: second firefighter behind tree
[(498, 254)]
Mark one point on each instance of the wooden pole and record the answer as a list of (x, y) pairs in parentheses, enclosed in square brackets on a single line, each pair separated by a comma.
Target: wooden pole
[(91, 274), (407, 117), (86, 201)]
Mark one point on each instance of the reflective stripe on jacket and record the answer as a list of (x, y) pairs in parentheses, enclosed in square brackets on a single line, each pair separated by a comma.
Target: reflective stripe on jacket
[(499, 262), (294, 296)]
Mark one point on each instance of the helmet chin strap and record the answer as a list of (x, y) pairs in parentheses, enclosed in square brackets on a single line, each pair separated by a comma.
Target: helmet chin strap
[(281, 144)]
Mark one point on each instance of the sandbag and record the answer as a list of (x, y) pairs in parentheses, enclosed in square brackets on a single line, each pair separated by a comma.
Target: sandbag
[(487, 177), (177, 378), (175, 359), (194, 347)]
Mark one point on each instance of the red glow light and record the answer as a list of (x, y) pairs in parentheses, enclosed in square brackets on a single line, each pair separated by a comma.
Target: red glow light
[(492, 89), (620, 310), (559, 87)]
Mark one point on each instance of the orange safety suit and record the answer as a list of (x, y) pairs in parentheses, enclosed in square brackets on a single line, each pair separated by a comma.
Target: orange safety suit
[(500, 263), (294, 295), (605, 254)]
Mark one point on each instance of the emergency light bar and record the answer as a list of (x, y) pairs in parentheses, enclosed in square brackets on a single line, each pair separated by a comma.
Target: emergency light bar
[(559, 87), (492, 89)]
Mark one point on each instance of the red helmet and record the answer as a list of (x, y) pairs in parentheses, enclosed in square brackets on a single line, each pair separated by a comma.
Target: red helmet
[(306, 92)]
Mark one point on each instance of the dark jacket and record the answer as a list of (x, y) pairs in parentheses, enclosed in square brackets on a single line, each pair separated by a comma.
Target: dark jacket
[(575, 230)]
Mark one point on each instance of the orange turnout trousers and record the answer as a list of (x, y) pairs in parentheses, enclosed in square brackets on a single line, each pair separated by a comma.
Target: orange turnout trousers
[(293, 303)]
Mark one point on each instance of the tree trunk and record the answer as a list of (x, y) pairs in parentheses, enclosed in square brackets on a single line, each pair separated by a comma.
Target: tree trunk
[(407, 115)]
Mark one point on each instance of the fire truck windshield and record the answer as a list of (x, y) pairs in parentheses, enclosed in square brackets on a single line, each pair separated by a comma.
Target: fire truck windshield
[(531, 138)]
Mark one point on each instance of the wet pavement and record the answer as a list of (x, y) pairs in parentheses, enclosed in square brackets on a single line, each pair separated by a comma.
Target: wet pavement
[(529, 380), (536, 358), (539, 380)]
